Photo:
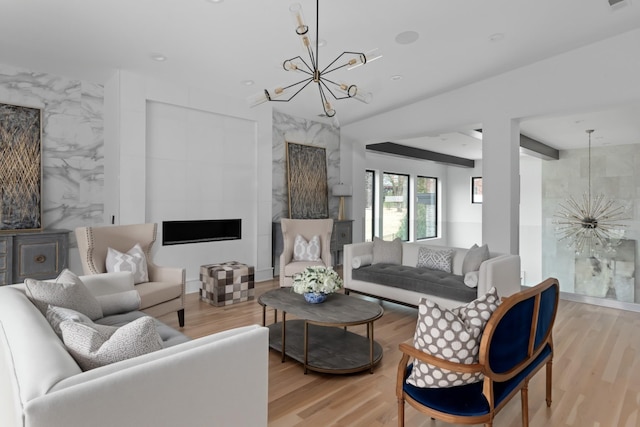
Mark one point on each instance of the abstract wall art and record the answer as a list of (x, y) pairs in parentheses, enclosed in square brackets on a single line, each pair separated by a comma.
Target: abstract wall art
[(20, 168), (307, 181)]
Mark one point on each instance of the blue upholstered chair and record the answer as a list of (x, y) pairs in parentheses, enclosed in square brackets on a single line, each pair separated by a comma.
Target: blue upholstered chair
[(516, 343)]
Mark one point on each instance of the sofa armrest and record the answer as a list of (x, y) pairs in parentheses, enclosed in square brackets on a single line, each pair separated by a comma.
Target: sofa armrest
[(220, 379), (503, 272), (350, 251)]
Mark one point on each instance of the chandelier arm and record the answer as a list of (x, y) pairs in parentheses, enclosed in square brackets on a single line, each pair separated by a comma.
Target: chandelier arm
[(309, 80), (322, 81), (347, 64), (309, 70)]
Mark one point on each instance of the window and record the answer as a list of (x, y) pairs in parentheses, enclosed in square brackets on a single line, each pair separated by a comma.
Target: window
[(369, 212), (395, 206), (426, 207)]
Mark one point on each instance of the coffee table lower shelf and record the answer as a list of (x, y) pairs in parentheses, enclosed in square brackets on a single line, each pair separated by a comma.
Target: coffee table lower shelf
[(330, 349)]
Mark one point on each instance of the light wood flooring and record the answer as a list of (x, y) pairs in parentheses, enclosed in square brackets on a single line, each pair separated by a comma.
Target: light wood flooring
[(596, 371)]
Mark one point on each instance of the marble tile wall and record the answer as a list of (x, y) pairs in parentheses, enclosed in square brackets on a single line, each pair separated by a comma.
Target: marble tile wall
[(615, 173), (72, 144), (302, 131)]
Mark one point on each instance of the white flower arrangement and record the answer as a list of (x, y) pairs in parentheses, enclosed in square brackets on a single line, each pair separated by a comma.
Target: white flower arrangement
[(317, 279)]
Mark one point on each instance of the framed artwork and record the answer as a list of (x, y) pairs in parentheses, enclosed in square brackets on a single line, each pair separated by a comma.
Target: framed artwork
[(476, 189), (610, 274), (20, 168), (307, 181)]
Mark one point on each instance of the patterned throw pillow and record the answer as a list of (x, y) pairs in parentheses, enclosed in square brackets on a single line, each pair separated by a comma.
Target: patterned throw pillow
[(387, 252), (436, 260), (56, 315), (93, 346), (134, 261), (66, 291), (453, 335), (306, 251)]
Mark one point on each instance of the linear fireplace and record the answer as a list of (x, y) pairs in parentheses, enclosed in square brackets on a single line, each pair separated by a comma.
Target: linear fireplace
[(196, 231)]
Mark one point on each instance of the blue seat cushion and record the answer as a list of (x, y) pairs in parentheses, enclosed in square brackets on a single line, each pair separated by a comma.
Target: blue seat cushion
[(468, 400)]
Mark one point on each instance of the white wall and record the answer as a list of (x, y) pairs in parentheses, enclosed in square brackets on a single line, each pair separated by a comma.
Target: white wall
[(200, 165), (464, 218), (531, 219), (133, 94)]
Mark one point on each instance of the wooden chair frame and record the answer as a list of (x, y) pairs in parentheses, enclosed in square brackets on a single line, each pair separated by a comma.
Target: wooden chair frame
[(483, 365)]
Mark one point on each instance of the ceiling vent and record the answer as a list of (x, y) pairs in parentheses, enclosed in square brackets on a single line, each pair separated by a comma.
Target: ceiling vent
[(618, 4)]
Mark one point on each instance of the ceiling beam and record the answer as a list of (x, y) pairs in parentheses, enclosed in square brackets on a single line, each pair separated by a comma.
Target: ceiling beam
[(538, 149), (419, 153)]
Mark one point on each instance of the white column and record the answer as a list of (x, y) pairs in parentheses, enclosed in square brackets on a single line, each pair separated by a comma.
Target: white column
[(501, 184)]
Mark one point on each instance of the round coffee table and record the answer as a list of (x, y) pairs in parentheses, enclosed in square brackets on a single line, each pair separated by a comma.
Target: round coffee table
[(319, 338)]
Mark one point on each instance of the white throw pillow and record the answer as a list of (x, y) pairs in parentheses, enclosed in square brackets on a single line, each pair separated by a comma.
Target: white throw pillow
[(66, 291), (92, 347), (306, 251), (436, 260), (387, 252), (471, 279), (475, 256), (119, 302), (452, 335), (361, 261), (134, 261)]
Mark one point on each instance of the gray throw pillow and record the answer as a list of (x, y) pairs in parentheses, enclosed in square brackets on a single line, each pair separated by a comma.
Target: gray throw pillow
[(119, 302), (436, 260), (475, 256), (92, 347), (453, 335), (387, 252), (66, 291), (57, 315)]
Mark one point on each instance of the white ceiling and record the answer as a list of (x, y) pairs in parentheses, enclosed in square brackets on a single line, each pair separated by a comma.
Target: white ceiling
[(218, 46)]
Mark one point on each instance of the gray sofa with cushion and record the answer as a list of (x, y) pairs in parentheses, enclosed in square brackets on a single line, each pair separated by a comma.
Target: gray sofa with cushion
[(220, 379), (390, 271)]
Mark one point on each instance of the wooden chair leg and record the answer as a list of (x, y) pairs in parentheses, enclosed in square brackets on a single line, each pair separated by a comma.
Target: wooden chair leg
[(549, 377), (181, 317), (525, 404), (400, 412)]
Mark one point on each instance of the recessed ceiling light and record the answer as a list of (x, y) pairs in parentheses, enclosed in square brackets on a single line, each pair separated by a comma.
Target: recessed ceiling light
[(396, 77), (247, 82), (407, 37), (158, 57), (496, 37), (214, 1)]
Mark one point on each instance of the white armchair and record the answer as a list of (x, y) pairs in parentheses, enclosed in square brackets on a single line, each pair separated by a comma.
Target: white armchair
[(163, 293), (307, 228)]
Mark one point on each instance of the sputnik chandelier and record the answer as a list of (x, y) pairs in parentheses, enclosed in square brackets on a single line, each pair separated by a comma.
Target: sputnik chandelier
[(313, 72), (592, 222)]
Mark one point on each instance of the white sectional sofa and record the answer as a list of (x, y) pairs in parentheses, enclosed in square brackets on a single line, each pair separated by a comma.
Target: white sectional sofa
[(401, 283), (221, 379)]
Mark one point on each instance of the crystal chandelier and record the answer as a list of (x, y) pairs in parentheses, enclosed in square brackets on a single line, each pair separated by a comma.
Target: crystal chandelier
[(594, 221), (314, 74)]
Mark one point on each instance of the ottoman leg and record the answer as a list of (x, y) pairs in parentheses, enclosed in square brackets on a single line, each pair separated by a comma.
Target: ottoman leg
[(181, 317)]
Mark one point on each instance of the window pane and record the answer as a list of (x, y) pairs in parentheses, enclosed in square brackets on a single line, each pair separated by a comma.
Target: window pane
[(369, 215), (426, 207), (395, 206)]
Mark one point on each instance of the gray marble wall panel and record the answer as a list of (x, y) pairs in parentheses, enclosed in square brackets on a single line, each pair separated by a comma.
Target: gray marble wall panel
[(615, 172), (72, 143), (302, 131)]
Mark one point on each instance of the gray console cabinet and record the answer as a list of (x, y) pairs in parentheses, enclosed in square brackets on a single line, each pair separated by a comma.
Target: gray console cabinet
[(342, 234), (38, 255)]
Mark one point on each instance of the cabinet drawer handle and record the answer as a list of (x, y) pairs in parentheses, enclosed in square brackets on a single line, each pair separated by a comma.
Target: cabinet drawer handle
[(40, 259), (344, 234)]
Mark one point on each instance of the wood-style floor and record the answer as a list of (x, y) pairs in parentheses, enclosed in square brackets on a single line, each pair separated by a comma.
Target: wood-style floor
[(596, 371)]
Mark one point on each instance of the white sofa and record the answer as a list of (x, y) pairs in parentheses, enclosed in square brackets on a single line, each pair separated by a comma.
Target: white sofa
[(500, 270), (220, 379)]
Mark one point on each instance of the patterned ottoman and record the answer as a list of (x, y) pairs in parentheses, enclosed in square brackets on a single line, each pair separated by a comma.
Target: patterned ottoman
[(226, 283)]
